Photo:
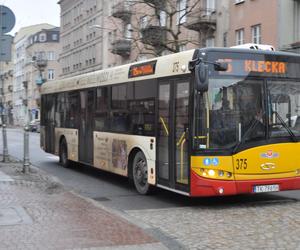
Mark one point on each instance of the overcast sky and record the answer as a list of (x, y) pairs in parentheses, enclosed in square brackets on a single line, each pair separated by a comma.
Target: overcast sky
[(29, 12)]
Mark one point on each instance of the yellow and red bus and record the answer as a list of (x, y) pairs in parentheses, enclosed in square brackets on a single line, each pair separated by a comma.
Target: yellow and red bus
[(204, 122)]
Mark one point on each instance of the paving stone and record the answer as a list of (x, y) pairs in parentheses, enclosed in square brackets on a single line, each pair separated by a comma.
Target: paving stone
[(59, 219), (251, 226)]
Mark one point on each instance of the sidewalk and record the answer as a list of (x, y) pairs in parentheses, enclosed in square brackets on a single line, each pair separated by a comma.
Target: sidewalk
[(37, 213)]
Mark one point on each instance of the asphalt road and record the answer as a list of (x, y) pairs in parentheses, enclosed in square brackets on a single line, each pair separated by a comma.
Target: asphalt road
[(115, 191)]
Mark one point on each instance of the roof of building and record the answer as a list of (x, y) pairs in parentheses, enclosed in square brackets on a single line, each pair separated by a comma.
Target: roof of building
[(29, 30)]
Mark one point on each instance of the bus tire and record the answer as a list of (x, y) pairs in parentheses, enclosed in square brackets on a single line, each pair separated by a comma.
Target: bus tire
[(140, 173), (63, 154)]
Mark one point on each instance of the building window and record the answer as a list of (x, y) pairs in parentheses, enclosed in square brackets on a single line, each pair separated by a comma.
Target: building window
[(239, 36), (54, 37), (181, 15), (182, 47), (210, 7), (210, 42), (42, 37), (256, 34), (128, 30), (50, 74), (51, 55), (225, 35), (163, 18), (143, 22)]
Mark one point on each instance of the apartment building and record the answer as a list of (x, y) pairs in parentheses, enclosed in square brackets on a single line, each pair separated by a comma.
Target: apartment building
[(20, 62), (6, 88), (98, 34), (42, 65), (81, 44), (274, 22)]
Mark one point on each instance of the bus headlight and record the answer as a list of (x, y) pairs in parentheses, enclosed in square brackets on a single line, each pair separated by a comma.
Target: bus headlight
[(211, 173), (214, 174)]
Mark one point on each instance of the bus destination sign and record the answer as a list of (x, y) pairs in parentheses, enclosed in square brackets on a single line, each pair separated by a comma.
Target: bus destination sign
[(142, 69), (244, 67)]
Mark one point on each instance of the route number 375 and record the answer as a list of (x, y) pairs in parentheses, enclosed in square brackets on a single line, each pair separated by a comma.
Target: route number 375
[(241, 164)]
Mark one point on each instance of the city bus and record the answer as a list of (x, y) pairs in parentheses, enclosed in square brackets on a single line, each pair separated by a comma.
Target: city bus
[(203, 122)]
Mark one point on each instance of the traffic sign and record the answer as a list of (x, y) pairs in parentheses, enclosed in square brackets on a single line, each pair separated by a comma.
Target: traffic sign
[(5, 48), (7, 19)]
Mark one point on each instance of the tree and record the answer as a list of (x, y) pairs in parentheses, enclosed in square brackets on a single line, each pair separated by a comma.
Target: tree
[(166, 25), (159, 26)]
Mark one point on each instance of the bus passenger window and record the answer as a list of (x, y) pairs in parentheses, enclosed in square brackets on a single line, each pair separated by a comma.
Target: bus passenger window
[(119, 110), (101, 111)]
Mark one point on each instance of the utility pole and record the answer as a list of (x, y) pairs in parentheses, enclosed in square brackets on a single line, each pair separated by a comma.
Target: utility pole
[(26, 163), (3, 120)]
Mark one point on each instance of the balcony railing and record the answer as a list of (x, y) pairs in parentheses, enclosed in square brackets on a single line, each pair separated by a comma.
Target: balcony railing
[(157, 3), (201, 20), (121, 47), (154, 35), (122, 11)]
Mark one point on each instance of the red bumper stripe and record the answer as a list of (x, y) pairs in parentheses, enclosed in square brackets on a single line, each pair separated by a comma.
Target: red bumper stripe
[(207, 187)]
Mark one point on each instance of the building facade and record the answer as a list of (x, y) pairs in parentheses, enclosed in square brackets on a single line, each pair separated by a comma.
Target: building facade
[(274, 22), (21, 61), (42, 65), (6, 89), (98, 34)]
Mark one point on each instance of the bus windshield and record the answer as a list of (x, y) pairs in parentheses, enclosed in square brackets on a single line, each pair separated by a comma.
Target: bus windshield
[(236, 110)]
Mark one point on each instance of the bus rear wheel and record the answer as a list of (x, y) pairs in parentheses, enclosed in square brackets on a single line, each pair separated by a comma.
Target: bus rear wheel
[(140, 173), (63, 154)]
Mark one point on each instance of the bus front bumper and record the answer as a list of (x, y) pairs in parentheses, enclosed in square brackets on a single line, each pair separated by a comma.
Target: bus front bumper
[(207, 187)]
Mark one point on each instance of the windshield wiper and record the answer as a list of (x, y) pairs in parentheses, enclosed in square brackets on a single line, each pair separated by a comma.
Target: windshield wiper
[(286, 126), (254, 123)]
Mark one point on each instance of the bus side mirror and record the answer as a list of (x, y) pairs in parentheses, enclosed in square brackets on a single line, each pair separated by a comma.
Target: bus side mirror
[(201, 77), (221, 66)]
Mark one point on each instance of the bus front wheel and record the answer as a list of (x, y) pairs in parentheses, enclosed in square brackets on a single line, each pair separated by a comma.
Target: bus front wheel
[(63, 154), (140, 173)]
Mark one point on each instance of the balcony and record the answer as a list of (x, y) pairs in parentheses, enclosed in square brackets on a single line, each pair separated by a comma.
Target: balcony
[(154, 35), (121, 47), (122, 11), (201, 20)]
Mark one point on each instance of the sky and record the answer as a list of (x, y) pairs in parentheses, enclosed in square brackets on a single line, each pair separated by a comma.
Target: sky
[(30, 12)]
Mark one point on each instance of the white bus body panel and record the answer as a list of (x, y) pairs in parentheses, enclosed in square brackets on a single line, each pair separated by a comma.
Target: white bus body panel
[(111, 152), (71, 136)]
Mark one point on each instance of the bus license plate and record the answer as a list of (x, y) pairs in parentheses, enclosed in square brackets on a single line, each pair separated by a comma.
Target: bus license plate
[(266, 188)]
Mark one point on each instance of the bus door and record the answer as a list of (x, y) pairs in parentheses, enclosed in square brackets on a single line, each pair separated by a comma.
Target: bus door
[(86, 126), (172, 144), (49, 120)]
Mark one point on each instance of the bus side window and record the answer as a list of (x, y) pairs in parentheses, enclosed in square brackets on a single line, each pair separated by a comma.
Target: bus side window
[(121, 94), (72, 110), (102, 109), (142, 108)]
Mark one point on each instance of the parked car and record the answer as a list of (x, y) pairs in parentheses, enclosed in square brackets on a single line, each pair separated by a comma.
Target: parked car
[(34, 125)]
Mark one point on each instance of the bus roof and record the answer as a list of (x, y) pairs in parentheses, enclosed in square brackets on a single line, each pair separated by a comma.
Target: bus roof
[(169, 65), (173, 64)]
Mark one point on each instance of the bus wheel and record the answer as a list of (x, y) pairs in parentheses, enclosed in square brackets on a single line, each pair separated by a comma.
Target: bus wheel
[(63, 154), (140, 173)]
